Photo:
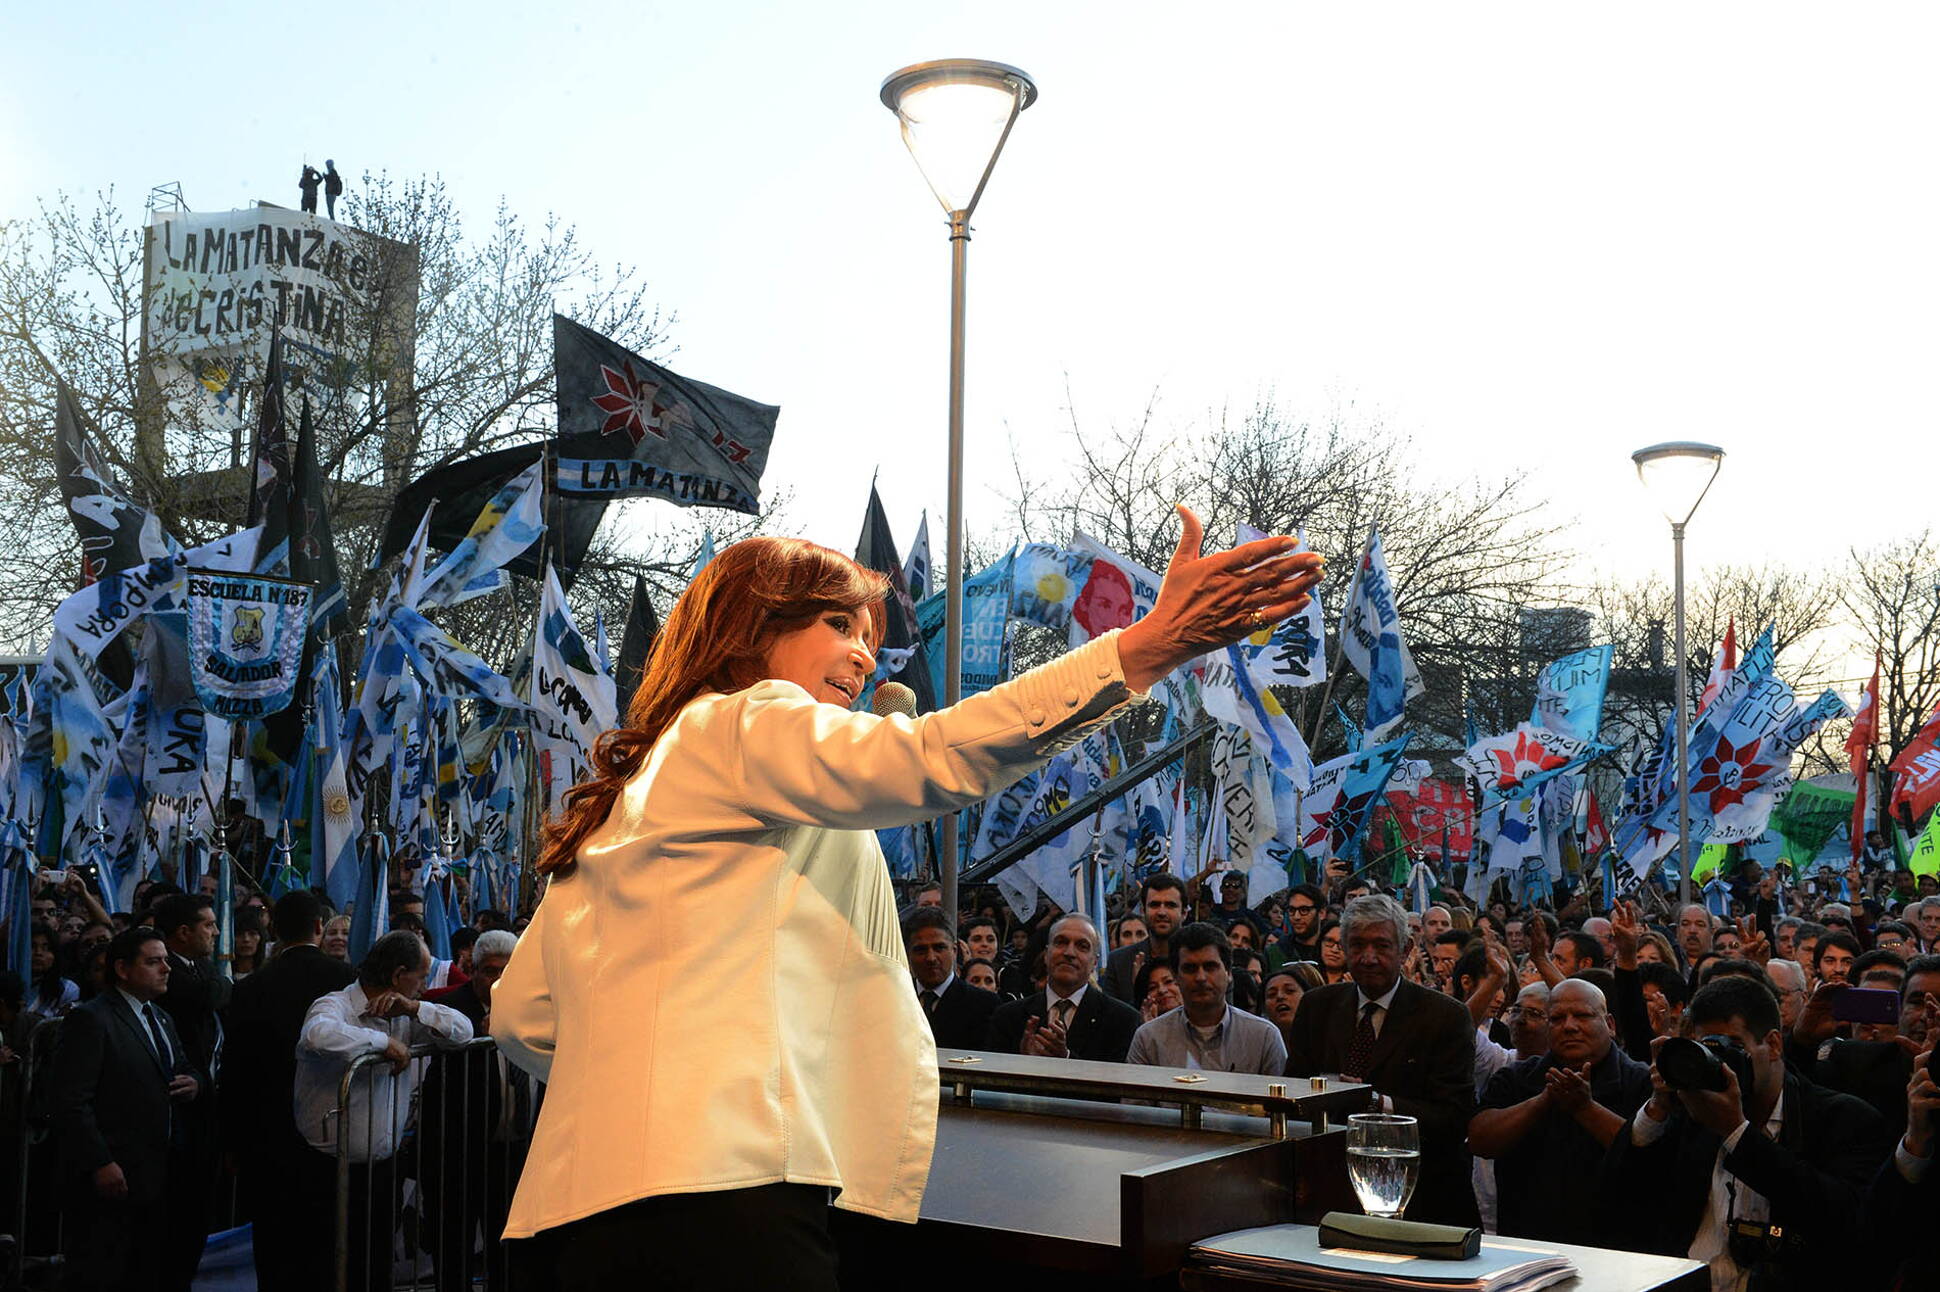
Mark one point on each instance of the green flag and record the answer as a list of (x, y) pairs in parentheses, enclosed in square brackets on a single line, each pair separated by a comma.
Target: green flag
[(1807, 816), (1926, 857), (1709, 861)]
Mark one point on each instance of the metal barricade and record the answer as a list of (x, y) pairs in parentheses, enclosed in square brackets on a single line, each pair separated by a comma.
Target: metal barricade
[(32, 1218), (427, 1160)]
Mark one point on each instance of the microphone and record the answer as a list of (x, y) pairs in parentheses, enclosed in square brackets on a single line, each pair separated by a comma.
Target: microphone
[(893, 697)]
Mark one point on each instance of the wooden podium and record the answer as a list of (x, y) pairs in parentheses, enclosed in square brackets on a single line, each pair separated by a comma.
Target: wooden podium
[(1076, 1175)]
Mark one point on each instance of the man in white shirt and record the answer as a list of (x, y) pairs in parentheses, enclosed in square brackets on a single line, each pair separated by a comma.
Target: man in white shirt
[(379, 1014), (1765, 1180)]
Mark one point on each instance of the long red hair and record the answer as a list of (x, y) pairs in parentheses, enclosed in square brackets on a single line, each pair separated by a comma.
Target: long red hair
[(716, 638)]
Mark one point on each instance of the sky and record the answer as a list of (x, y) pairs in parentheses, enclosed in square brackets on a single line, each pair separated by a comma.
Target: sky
[(1531, 236)]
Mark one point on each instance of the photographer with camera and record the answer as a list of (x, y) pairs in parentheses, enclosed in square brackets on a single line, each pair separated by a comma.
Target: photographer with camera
[(1740, 1163), (1908, 1188)]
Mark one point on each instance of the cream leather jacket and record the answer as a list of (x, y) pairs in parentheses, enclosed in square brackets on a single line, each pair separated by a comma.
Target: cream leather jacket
[(717, 993)]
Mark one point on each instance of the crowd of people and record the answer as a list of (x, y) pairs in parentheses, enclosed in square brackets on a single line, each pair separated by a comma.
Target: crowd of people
[(156, 1098), (1527, 1042), (1530, 1044)]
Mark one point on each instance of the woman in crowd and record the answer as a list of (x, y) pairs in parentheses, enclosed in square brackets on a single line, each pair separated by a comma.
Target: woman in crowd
[(247, 957), (1157, 988), (731, 821), (1333, 959), (980, 973), (336, 937), (1128, 930), (52, 995)]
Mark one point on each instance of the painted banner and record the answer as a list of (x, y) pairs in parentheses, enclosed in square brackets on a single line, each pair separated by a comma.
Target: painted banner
[(219, 283), (629, 428), (245, 641)]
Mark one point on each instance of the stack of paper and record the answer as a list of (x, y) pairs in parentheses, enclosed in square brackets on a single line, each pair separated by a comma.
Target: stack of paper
[(1292, 1254)]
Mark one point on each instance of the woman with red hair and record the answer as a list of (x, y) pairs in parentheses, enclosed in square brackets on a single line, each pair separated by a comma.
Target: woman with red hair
[(714, 987)]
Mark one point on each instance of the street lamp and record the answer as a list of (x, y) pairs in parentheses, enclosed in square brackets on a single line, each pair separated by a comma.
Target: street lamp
[(1678, 476), (956, 114)]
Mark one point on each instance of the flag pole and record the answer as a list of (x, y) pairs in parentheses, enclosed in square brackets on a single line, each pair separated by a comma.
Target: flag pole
[(1340, 638)]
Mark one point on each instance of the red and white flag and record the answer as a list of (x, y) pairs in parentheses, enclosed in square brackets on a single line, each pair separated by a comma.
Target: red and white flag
[(1916, 772), (1723, 666), (1859, 748), (1596, 835)]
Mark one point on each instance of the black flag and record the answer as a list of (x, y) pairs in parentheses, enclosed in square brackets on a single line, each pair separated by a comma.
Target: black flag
[(461, 489), (110, 527), (629, 428), (269, 481), (636, 644), (313, 553), (876, 549)]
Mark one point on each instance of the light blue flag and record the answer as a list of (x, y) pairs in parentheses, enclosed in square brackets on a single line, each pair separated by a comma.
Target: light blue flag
[(1046, 581), (437, 919), (18, 876), (1227, 691), (333, 820), (704, 557), (1608, 871), (68, 748), (371, 919), (1421, 888), (441, 663), (506, 526), (1293, 652), (1350, 732), (1372, 642), (985, 660), (1717, 896), (899, 849), (1333, 813), (1569, 693)]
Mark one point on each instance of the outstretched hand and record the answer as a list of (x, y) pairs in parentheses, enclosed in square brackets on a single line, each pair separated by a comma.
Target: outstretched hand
[(1207, 602)]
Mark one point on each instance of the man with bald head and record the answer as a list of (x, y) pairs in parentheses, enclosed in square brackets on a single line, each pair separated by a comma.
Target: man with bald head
[(1071, 1018), (1546, 1121)]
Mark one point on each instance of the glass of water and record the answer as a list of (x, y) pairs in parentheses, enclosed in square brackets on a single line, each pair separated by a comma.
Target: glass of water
[(1383, 1158)]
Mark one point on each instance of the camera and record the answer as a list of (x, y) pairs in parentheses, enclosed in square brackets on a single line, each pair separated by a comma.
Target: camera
[(1700, 1065)]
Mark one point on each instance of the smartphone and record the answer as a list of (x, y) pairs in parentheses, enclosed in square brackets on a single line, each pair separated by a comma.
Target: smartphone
[(1866, 1005)]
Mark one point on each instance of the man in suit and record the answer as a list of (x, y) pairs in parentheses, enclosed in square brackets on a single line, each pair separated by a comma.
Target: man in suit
[(959, 1014), (474, 1117), (195, 999), (280, 1177), (1069, 1019), (1764, 1179), (1415, 1046), (120, 1080), (1162, 901)]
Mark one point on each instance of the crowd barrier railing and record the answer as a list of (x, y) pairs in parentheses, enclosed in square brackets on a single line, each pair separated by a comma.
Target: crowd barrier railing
[(427, 1159)]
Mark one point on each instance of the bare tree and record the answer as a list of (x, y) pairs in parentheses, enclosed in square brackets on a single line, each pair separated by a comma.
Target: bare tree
[(1889, 605), (480, 378), (1465, 557)]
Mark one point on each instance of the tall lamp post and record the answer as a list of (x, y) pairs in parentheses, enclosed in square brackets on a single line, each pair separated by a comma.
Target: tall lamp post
[(1678, 476), (956, 114)]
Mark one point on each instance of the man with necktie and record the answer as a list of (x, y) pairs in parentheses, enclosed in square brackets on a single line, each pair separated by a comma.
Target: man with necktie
[(959, 1014), (120, 1080), (1416, 1047), (1070, 1018), (196, 997)]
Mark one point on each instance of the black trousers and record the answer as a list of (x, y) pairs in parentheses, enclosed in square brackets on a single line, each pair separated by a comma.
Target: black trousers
[(737, 1240), (111, 1246), (290, 1185)]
